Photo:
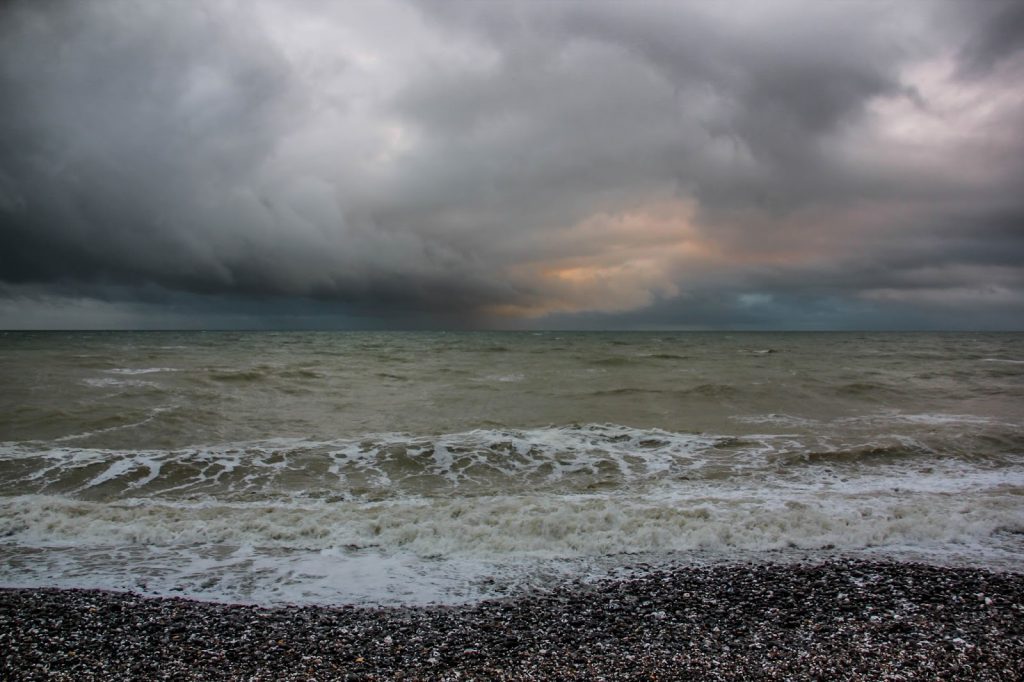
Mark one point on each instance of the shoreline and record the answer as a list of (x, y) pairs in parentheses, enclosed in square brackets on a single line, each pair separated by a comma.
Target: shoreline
[(837, 619)]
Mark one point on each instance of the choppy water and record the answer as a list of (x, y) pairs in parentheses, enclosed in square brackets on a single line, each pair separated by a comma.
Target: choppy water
[(335, 467)]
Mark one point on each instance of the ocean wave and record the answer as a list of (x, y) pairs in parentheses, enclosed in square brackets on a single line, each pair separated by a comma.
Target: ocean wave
[(110, 382), (927, 418), (551, 526), (629, 390), (140, 370), (862, 455), (370, 517), (774, 418), (579, 459), (512, 378), (879, 418), (706, 390), (252, 374), (664, 356), (615, 361), (867, 389), (386, 464)]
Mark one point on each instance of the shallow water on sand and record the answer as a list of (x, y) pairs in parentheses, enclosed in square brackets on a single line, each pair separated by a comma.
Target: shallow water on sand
[(336, 467)]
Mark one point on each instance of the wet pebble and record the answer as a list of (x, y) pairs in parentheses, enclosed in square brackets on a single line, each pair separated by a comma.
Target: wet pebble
[(838, 620)]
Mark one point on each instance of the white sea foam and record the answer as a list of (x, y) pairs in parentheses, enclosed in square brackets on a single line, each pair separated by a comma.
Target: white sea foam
[(556, 460), (513, 378), (935, 419), (140, 370), (12, 449), (938, 419), (111, 382), (1006, 360), (784, 419), (880, 510), (298, 520), (460, 457), (304, 550)]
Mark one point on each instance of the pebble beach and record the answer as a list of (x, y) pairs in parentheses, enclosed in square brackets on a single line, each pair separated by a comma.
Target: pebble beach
[(837, 620)]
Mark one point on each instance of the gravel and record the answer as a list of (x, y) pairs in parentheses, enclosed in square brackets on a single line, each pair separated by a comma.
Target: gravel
[(839, 620)]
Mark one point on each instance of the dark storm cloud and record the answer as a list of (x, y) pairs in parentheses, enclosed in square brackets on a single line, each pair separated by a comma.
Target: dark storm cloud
[(144, 153), (687, 164)]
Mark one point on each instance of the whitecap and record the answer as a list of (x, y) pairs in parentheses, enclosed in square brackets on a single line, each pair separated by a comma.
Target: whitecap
[(140, 370), (110, 382)]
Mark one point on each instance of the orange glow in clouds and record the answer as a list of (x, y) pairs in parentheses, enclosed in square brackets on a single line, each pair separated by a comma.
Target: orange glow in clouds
[(612, 261)]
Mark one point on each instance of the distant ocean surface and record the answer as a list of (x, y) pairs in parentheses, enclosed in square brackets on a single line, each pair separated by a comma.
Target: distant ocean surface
[(413, 467)]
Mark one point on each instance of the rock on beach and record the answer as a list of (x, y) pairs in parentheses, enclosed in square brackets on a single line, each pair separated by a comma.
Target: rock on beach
[(837, 620)]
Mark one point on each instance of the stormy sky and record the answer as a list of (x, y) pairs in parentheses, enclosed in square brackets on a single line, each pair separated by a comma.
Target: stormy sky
[(417, 164)]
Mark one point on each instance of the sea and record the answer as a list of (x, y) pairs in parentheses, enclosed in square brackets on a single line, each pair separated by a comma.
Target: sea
[(432, 467)]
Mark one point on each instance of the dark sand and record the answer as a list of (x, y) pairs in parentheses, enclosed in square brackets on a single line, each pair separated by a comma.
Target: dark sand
[(834, 621)]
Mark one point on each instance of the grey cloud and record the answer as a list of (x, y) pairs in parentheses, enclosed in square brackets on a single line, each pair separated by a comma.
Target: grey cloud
[(142, 154), (746, 109), (139, 119), (997, 39), (448, 161)]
